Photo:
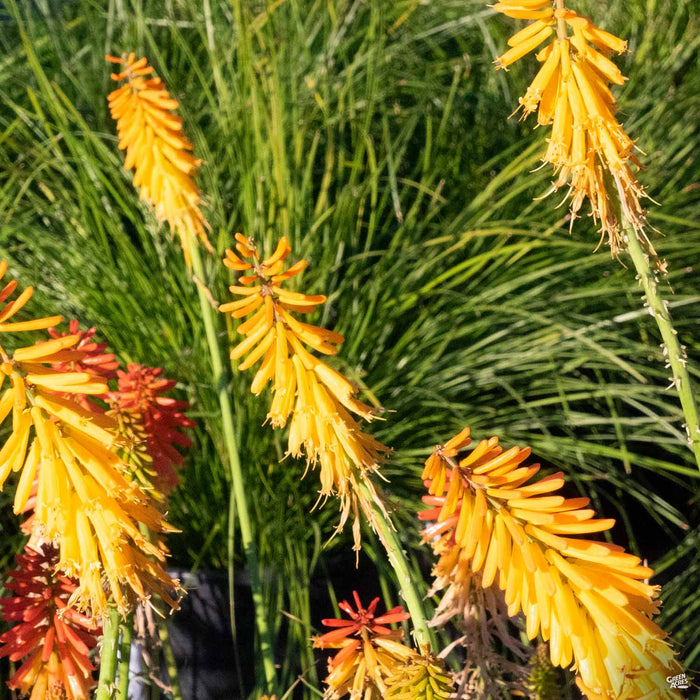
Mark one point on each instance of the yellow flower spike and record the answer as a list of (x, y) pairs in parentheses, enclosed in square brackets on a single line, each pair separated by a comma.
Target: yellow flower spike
[(318, 401), (84, 504), (572, 90), (586, 597), (157, 149)]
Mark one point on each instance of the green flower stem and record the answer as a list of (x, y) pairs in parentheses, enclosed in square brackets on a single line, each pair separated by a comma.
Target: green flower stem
[(387, 534), (173, 680), (209, 316), (124, 657), (108, 661), (674, 352)]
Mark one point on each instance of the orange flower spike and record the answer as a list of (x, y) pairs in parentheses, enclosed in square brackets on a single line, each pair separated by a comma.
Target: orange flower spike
[(157, 149), (577, 592), (436, 466)]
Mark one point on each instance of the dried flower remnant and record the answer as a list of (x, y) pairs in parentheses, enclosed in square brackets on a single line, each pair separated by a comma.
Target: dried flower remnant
[(152, 422), (157, 149), (84, 504), (587, 598), (588, 147), (319, 400), (495, 658), (55, 638), (369, 651)]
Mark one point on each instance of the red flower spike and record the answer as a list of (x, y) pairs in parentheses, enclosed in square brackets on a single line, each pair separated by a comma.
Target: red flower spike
[(57, 639), (140, 391)]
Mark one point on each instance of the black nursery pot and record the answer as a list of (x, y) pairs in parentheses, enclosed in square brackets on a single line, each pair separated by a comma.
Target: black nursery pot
[(200, 631), (201, 639), (200, 634)]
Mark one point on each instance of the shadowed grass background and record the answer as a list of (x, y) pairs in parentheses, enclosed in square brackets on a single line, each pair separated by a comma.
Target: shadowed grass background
[(375, 135)]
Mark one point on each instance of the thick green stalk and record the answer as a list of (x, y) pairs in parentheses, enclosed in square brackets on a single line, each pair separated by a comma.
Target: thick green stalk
[(220, 378), (397, 559), (173, 680), (124, 657), (108, 661), (674, 352)]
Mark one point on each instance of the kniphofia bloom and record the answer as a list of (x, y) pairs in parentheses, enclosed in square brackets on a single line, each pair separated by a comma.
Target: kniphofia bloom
[(319, 400), (152, 420), (369, 651), (157, 149), (84, 504), (589, 599), (51, 639), (589, 149)]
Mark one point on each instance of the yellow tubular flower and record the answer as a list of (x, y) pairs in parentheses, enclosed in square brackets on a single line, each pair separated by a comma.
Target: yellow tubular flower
[(588, 147), (84, 503), (587, 598), (319, 400), (157, 149)]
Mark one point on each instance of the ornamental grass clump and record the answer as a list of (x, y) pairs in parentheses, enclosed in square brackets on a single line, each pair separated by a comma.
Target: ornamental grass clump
[(53, 640), (589, 599), (318, 401), (157, 149), (84, 503)]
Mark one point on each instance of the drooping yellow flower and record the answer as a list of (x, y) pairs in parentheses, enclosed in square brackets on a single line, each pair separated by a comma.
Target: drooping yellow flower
[(84, 504), (588, 147), (587, 598), (157, 149), (319, 400)]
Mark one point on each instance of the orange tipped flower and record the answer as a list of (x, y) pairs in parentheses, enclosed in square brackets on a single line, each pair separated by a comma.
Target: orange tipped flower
[(157, 149), (589, 149), (55, 638), (369, 651), (319, 399), (84, 504), (587, 598)]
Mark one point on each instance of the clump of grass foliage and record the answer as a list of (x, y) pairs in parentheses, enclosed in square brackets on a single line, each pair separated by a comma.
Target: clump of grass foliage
[(375, 135)]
